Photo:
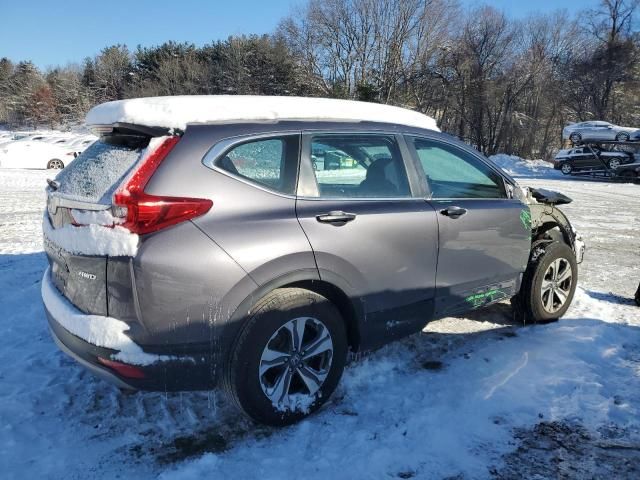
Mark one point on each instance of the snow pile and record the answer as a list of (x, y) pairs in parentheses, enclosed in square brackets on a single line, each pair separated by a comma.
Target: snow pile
[(101, 331), (97, 217), (178, 111), (520, 167), (92, 239)]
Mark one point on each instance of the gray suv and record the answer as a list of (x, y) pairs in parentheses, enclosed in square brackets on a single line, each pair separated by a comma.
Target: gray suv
[(255, 255)]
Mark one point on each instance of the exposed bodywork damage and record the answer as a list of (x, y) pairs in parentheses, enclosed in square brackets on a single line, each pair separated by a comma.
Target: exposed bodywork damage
[(547, 222)]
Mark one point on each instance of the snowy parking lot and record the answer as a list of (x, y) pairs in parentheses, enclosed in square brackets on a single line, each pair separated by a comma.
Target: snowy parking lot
[(469, 398)]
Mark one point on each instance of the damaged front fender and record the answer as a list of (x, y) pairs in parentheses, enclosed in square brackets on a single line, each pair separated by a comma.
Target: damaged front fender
[(545, 218)]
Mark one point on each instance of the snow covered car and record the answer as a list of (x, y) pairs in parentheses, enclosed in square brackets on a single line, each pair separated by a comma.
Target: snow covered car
[(35, 154), (194, 245), (583, 158), (598, 130)]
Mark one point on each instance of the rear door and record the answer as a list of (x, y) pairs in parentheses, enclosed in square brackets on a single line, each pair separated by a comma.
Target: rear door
[(484, 236), (369, 235), (81, 195)]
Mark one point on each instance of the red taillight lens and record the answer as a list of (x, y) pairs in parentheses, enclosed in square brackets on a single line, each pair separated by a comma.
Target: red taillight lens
[(149, 213), (123, 369)]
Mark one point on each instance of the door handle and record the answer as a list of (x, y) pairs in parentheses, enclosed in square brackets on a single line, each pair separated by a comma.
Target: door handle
[(453, 212), (336, 216)]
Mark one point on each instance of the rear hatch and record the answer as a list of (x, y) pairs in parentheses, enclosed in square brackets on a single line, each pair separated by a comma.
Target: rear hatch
[(79, 208)]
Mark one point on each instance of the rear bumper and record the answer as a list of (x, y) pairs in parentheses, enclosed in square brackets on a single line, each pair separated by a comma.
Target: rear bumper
[(169, 373)]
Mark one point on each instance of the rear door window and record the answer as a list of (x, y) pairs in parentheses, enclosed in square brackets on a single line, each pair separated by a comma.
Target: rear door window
[(358, 166), (97, 172)]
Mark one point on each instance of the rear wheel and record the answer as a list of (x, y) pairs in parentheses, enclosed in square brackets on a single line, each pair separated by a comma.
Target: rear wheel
[(55, 164), (289, 358), (566, 168), (613, 163), (548, 284)]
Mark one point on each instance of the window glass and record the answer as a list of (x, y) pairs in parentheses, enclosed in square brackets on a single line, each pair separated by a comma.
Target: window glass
[(358, 166), (271, 162), (452, 173), (97, 172)]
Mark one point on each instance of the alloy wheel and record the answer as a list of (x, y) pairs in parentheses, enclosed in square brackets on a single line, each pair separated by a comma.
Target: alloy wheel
[(56, 164), (622, 137), (556, 285), (296, 361)]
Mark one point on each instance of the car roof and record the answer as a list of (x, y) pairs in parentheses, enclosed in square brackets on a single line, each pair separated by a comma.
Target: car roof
[(177, 112)]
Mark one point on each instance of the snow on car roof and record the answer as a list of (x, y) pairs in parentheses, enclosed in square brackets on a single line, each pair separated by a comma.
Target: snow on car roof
[(178, 111)]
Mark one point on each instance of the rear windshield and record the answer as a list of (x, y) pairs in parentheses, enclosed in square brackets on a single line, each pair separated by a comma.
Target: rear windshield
[(97, 172)]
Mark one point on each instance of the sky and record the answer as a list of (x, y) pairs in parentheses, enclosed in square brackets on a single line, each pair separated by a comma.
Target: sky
[(60, 32)]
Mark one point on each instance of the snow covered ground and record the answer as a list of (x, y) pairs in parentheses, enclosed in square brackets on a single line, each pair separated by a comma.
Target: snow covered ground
[(469, 398)]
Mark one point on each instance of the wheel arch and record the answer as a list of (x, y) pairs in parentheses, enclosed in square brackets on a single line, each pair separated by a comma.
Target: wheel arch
[(544, 220), (342, 302), (308, 279)]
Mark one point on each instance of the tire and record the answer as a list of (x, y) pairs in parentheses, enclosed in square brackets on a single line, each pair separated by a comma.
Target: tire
[(269, 331), (575, 137), (614, 163), (535, 305), (622, 137), (566, 168), (55, 164)]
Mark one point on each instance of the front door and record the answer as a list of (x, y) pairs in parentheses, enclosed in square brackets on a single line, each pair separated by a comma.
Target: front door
[(369, 235), (484, 236)]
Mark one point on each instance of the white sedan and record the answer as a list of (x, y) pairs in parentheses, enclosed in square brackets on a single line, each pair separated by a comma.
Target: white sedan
[(35, 154)]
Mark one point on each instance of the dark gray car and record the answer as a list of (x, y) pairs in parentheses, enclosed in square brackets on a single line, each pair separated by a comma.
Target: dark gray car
[(225, 255)]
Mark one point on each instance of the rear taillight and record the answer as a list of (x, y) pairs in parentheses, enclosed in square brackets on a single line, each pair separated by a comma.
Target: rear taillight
[(146, 213)]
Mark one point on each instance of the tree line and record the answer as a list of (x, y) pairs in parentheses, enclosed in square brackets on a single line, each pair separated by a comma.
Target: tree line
[(499, 83)]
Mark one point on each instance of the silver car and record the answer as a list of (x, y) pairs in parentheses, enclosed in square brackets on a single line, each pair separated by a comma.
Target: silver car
[(598, 131), (217, 255)]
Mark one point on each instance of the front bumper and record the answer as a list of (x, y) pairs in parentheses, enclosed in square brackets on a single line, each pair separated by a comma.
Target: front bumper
[(177, 373)]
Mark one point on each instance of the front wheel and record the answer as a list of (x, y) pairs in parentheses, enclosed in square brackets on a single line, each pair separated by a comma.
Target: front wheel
[(622, 137), (289, 357), (548, 284)]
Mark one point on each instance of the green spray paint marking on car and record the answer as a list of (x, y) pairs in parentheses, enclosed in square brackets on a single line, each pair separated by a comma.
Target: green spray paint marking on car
[(525, 218), (478, 299)]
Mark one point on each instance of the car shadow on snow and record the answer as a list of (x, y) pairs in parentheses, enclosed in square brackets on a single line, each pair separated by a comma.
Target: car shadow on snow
[(610, 297)]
